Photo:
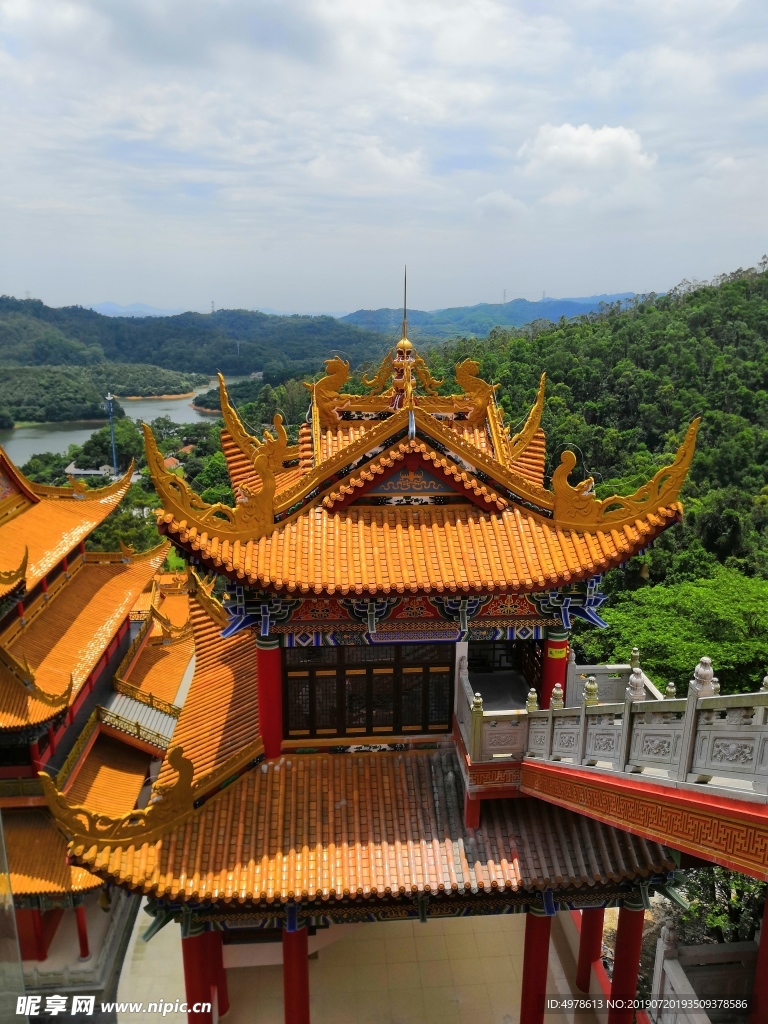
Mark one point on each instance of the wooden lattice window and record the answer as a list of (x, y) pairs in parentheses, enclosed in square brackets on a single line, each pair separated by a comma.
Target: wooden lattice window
[(362, 691)]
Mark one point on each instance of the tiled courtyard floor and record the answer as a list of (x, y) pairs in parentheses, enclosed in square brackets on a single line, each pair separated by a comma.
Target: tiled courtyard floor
[(465, 971)]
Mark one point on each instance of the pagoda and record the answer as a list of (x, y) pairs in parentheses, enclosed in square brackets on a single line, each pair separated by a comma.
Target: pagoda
[(380, 592)]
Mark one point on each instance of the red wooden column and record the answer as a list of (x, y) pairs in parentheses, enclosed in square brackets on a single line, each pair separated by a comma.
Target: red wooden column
[(198, 976), (535, 966), (34, 753), (82, 932), (216, 951), (269, 672), (758, 1011), (554, 664), (626, 963), (296, 976), (590, 944)]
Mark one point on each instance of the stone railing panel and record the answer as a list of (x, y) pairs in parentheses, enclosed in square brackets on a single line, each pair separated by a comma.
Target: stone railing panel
[(612, 681), (464, 700), (716, 970), (504, 736), (603, 730), (538, 733), (657, 734), (565, 735)]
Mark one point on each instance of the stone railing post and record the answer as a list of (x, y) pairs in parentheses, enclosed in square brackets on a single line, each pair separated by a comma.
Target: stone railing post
[(590, 698), (476, 730), (666, 949), (699, 686), (570, 678)]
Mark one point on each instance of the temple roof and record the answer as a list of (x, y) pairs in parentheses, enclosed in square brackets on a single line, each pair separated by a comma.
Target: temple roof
[(219, 722), (43, 524), (110, 778), (46, 659), (407, 490), (37, 856), (163, 660), (325, 827)]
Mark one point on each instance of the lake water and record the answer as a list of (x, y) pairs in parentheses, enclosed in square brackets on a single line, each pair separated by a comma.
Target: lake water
[(22, 443)]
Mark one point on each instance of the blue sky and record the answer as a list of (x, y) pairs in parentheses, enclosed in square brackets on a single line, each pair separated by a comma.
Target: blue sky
[(296, 153)]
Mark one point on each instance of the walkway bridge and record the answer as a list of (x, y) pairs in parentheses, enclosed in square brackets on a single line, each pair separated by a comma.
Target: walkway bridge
[(689, 772)]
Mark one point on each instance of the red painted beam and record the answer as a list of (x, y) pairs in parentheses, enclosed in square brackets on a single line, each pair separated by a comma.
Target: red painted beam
[(723, 830)]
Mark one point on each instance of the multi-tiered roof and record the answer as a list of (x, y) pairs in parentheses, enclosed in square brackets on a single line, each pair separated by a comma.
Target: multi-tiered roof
[(399, 490)]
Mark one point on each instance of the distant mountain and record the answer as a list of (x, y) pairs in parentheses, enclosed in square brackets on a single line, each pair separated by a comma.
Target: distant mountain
[(477, 320), (135, 309), (590, 300), (235, 341)]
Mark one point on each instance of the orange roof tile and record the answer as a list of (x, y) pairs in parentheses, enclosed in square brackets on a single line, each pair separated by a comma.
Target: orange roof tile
[(327, 827), (238, 465), (111, 777), (175, 607), (334, 439), (67, 638), (420, 549), (220, 716), (49, 525), (142, 604), (160, 667), (531, 462), (37, 856)]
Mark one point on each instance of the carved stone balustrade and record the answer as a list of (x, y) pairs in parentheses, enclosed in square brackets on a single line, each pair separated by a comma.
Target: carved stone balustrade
[(488, 735), (538, 733), (716, 971), (700, 740), (612, 681)]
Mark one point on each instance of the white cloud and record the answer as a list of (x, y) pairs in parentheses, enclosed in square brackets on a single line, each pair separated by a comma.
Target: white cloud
[(296, 152), (576, 148)]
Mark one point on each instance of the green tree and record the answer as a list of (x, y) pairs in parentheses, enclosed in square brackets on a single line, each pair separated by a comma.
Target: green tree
[(129, 443), (724, 617), (724, 906)]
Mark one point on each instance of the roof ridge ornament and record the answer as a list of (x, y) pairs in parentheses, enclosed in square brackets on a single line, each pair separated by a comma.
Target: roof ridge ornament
[(576, 507), (252, 516), (517, 444), (325, 392), (274, 446), (24, 675), (10, 577), (171, 804), (478, 393)]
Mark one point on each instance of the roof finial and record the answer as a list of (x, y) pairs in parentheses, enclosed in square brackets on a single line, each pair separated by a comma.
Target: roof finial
[(405, 303)]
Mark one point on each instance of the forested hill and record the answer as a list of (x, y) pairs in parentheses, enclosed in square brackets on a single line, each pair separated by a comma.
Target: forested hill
[(234, 341), (622, 388), (477, 320)]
